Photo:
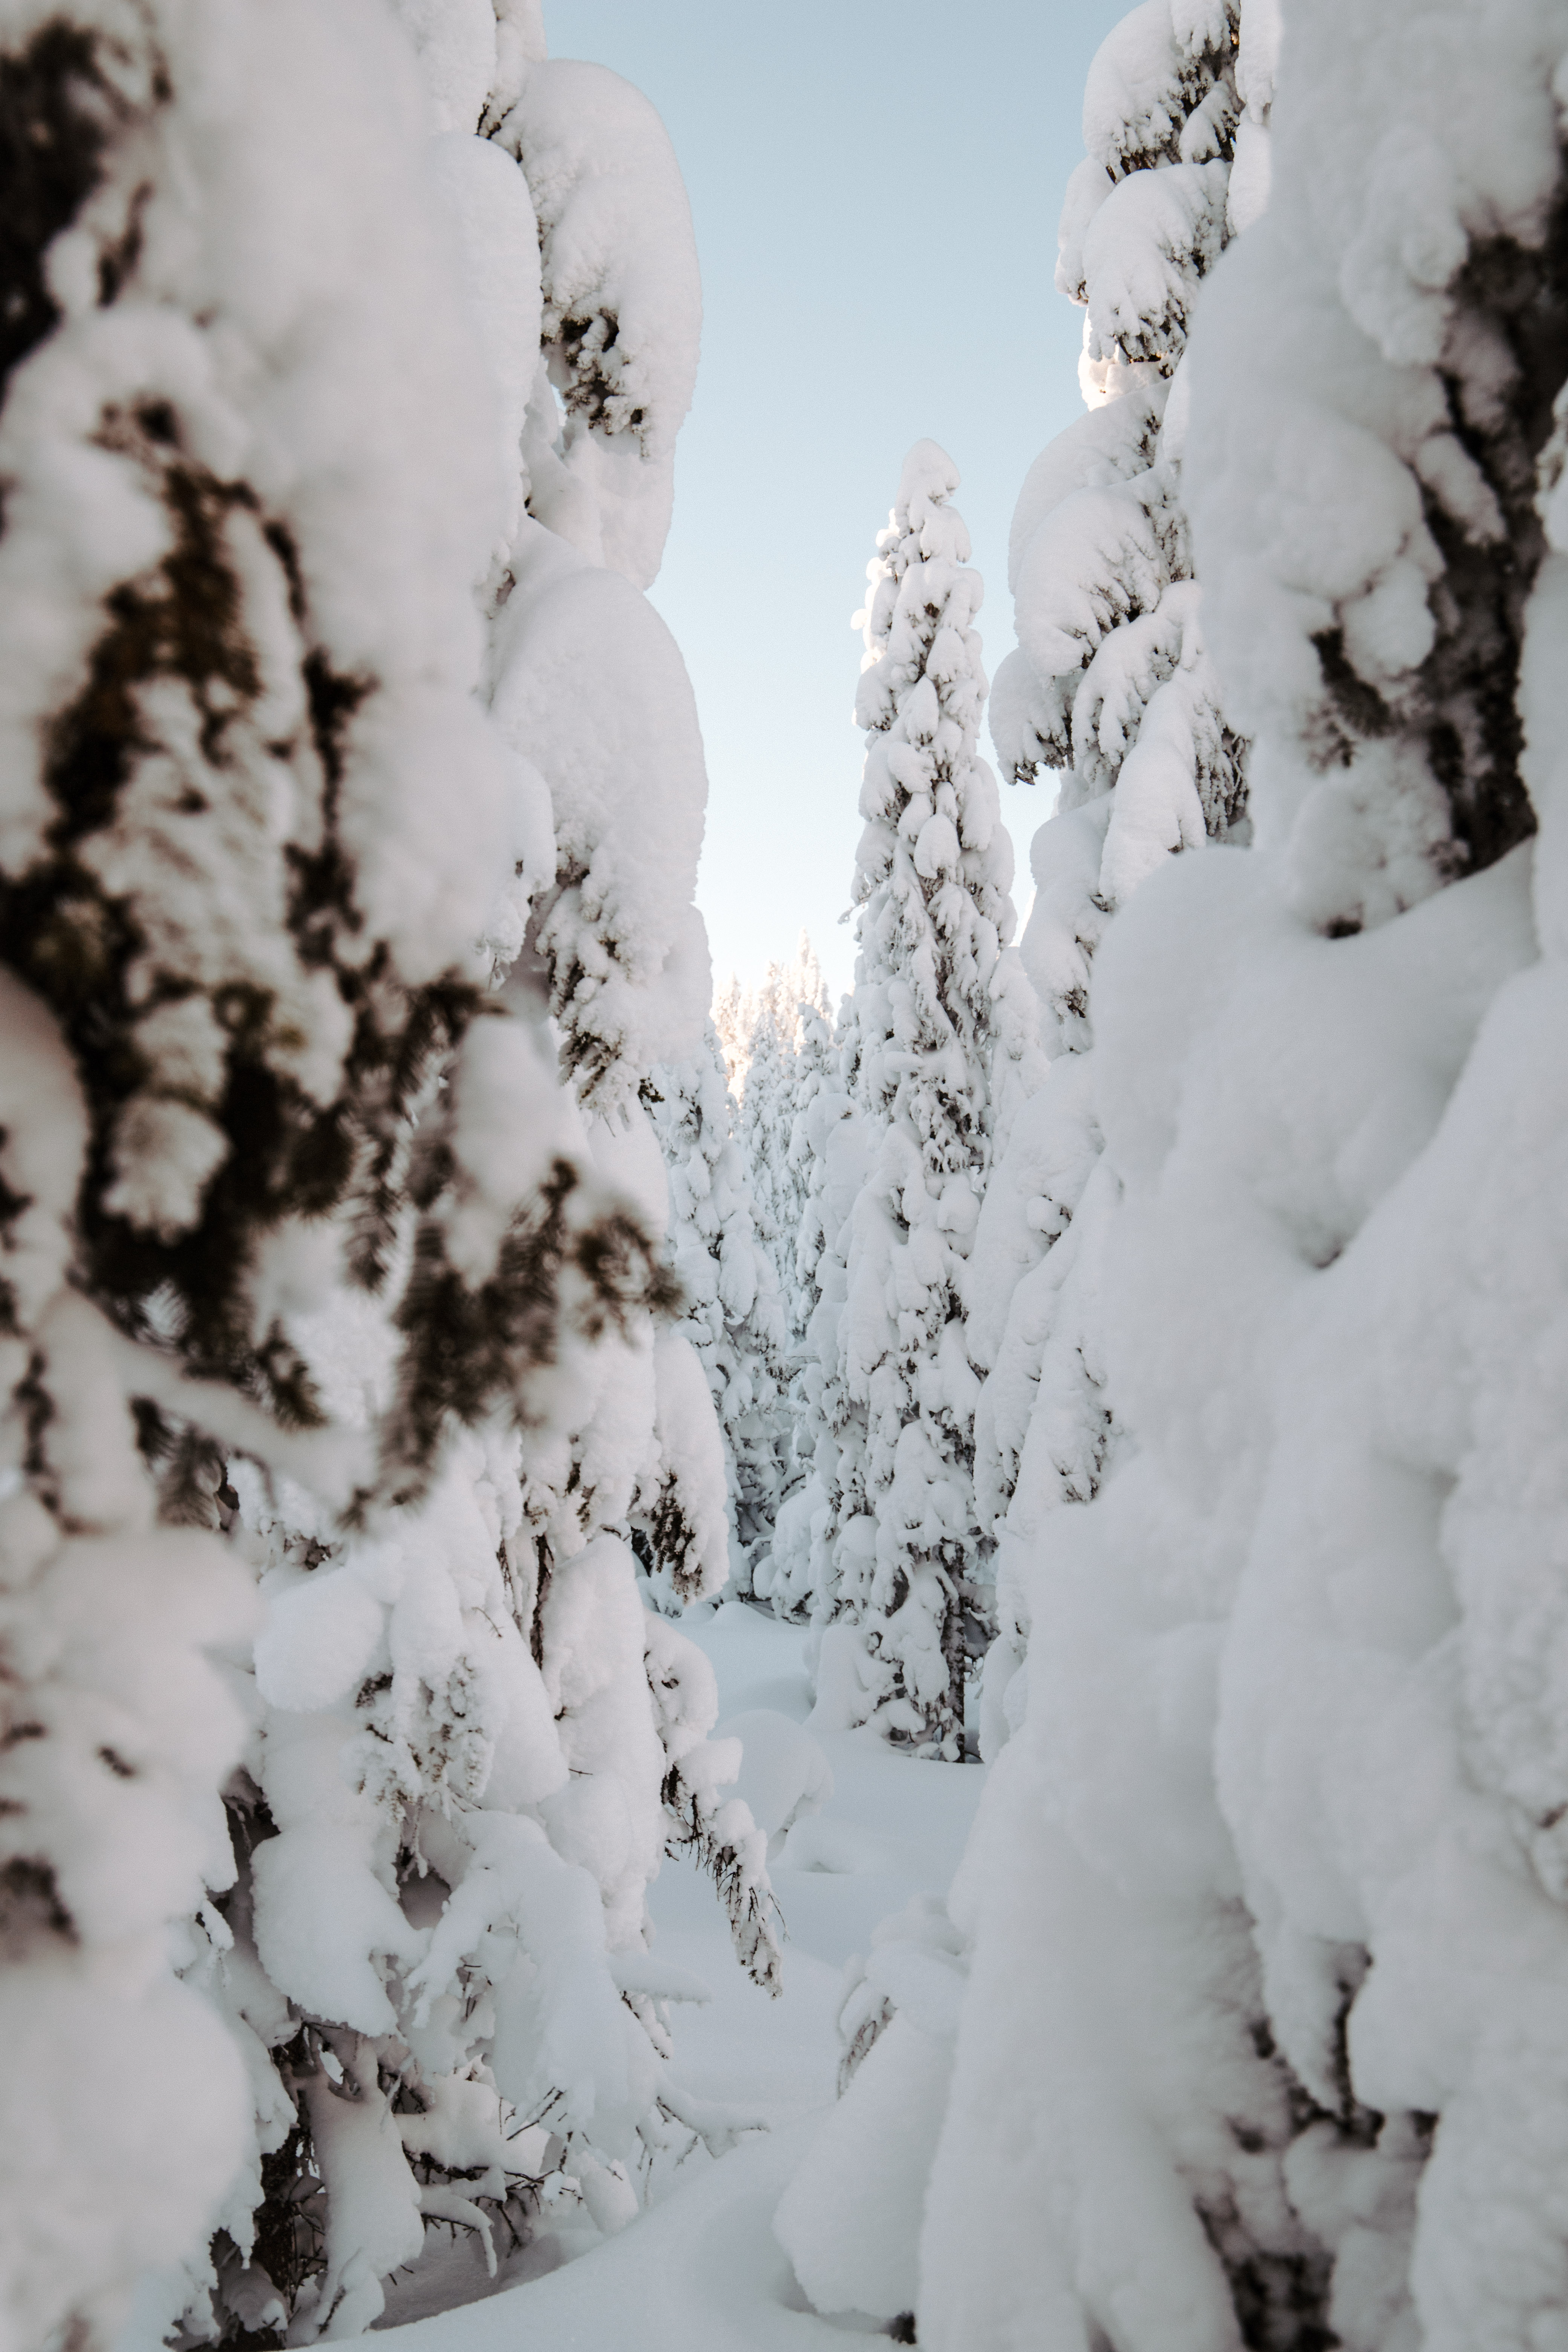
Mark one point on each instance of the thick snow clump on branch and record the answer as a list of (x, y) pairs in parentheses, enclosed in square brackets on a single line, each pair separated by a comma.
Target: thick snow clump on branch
[(623, 308)]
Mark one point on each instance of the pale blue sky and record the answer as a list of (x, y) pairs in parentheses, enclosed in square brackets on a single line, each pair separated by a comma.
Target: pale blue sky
[(875, 185)]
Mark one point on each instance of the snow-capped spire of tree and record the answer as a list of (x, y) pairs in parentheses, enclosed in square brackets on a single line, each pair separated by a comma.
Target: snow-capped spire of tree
[(932, 873)]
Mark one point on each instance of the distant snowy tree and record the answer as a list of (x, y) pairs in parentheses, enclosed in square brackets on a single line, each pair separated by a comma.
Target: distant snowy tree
[(766, 1109), (731, 1025), (932, 876), (734, 1314), (782, 996), (827, 1158), (763, 1031), (798, 1004), (816, 1076)]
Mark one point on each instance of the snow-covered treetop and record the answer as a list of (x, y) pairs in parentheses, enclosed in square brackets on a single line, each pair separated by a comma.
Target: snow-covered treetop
[(1161, 88), (1098, 560), (1146, 214), (778, 1007), (934, 866), (455, 44)]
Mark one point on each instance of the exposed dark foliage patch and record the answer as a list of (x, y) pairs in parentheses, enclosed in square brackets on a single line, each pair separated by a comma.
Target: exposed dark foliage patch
[(56, 114), (1505, 360)]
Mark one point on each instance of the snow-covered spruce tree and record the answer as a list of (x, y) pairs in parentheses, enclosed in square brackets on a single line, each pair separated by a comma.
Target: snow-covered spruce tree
[(254, 833), (932, 880), (429, 1924), (1111, 684), (1300, 1652), (734, 1317), (1377, 472), (588, 682), (817, 1069)]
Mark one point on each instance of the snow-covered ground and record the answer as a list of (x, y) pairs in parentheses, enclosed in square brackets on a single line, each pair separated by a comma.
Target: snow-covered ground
[(699, 2271)]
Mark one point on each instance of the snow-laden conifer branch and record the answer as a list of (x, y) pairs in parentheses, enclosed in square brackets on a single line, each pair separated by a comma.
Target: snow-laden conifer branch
[(716, 1831)]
